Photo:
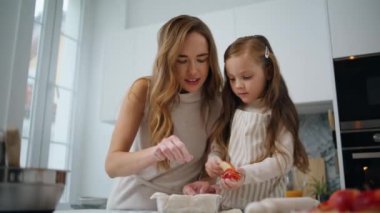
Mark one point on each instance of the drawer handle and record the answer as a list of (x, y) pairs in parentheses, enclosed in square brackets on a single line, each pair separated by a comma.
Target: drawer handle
[(365, 155), (376, 137)]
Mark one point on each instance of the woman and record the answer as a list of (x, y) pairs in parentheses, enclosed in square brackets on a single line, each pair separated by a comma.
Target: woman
[(160, 139)]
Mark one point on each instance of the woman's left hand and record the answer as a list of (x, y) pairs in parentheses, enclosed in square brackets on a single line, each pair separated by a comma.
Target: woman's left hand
[(231, 183)]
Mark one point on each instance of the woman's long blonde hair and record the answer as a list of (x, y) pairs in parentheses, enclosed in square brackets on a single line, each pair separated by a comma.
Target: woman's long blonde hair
[(276, 98), (164, 89)]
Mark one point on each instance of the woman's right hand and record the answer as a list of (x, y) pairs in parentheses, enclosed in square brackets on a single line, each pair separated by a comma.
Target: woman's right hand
[(213, 168), (173, 149)]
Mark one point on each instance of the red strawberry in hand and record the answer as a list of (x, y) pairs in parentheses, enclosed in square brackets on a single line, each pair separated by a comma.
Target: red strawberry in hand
[(229, 172)]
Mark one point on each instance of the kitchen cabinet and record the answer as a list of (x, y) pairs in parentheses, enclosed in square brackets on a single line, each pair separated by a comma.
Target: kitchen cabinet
[(223, 31), (299, 34), (354, 27), (298, 31), (128, 55), (101, 211)]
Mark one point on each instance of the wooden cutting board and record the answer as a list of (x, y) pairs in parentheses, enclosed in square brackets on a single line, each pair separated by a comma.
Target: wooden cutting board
[(317, 173)]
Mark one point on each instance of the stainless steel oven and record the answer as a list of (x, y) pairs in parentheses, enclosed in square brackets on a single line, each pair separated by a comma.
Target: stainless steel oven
[(361, 158), (357, 81)]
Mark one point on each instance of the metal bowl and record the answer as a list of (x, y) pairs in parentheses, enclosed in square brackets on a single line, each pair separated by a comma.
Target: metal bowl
[(30, 189)]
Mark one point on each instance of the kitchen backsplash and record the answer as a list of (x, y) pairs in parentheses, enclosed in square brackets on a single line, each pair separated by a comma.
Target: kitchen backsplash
[(317, 137)]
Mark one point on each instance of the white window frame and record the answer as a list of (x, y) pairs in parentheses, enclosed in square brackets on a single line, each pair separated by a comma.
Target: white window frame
[(43, 95), (38, 152)]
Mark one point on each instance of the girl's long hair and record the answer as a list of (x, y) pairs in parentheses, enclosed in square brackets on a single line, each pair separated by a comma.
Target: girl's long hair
[(275, 98), (164, 89)]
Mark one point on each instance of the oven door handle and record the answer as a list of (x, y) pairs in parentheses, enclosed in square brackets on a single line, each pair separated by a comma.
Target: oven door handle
[(365, 155)]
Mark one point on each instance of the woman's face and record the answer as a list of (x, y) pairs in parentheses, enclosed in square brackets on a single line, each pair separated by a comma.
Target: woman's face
[(247, 78), (192, 63)]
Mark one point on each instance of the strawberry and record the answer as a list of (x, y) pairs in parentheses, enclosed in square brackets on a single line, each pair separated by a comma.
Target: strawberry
[(229, 172)]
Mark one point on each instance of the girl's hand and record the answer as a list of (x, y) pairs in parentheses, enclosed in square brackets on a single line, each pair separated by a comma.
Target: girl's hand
[(213, 168), (232, 183), (173, 149)]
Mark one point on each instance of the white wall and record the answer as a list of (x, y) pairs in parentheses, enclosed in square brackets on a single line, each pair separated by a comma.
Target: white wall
[(101, 17), (7, 34), (16, 24)]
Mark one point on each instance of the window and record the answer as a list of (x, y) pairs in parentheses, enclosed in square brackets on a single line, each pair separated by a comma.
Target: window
[(37, 25), (51, 88)]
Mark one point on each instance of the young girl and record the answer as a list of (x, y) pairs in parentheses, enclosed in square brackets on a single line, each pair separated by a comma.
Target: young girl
[(257, 131), (159, 141)]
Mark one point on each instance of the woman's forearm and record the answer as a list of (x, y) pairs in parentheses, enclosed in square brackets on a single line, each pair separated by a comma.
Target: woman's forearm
[(119, 164)]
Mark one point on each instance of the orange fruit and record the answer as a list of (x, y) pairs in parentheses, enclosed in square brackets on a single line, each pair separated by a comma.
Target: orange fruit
[(294, 193)]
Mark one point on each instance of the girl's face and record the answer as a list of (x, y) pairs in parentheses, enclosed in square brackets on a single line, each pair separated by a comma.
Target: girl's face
[(192, 64), (246, 77)]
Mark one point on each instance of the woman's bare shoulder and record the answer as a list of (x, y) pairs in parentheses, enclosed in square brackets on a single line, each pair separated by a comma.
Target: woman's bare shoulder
[(140, 88)]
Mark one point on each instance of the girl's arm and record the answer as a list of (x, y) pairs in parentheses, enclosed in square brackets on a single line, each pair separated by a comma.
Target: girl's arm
[(216, 150), (276, 165), (119, 161), (214, 158)]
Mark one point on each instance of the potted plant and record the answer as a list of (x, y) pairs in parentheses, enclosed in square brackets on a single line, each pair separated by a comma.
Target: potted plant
[(319, 188)]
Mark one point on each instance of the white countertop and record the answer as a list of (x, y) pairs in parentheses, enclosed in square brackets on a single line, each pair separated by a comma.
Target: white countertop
[(100, 211), (126, 211), (291, 204)]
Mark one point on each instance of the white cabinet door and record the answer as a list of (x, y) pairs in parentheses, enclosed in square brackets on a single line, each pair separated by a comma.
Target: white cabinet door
[(299, 35), (354, 26), (222, 26)]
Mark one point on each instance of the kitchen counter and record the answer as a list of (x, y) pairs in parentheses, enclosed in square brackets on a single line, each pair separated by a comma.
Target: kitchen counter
[(117, 211), (100, 211), (291, 204)]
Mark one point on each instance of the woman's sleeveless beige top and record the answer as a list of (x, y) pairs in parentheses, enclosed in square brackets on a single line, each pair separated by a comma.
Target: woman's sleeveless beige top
[(263, 179), (133, 192)]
